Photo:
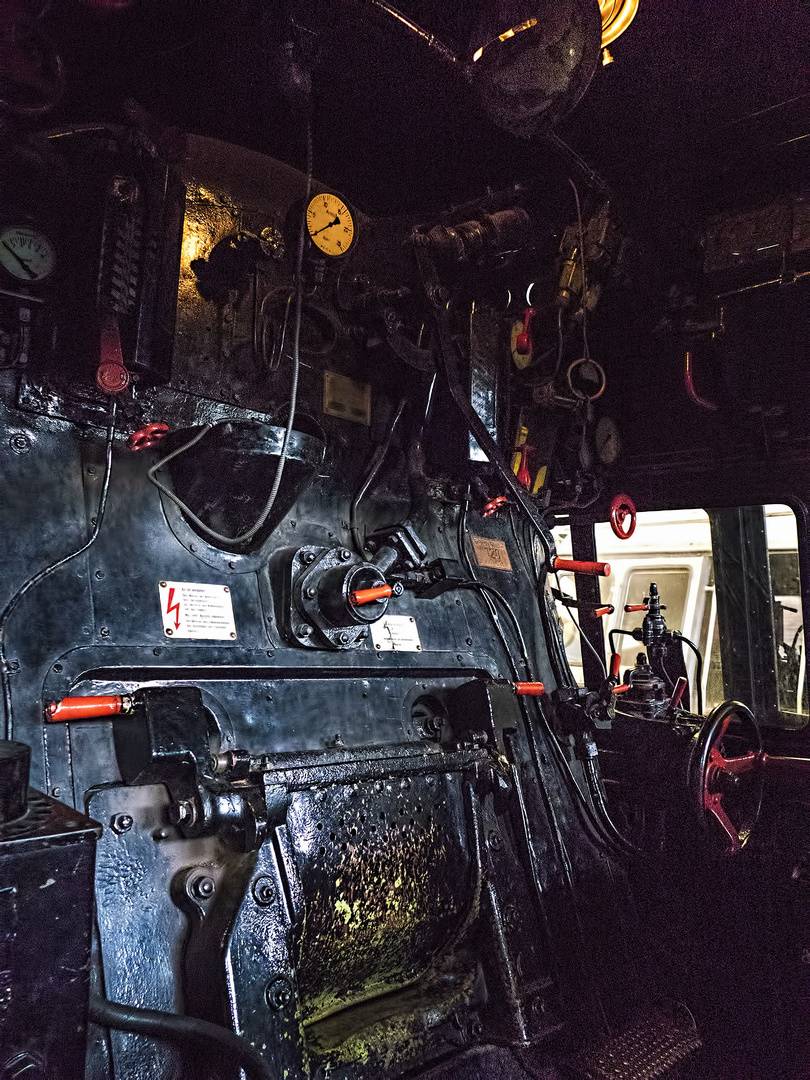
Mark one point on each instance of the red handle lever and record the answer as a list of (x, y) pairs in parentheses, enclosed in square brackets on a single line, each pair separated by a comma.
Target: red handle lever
[(635, 607), (523, 342), (529, 689), (86, 708), (615, 665), (595, 569), (621, 689), (366, 596), (599, 612)]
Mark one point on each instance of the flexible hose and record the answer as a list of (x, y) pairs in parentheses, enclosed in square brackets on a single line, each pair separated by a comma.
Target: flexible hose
[(184, 1030), (48, 570), (244, 537), (368, 480)]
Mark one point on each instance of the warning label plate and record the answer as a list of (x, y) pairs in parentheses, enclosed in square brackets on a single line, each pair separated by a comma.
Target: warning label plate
[(395, 633), (193, 610), (491, 554)]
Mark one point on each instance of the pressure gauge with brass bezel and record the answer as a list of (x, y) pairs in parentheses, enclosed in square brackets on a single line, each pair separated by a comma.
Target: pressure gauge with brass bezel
[(330, 224), (26, 253)]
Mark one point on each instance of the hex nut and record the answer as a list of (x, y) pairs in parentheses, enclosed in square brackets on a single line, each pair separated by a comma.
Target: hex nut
[(121, 823), (202, 887), (279, 993), (264, 890)]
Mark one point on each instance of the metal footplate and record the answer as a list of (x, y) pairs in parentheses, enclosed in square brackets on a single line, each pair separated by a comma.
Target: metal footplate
[(646, 1050)]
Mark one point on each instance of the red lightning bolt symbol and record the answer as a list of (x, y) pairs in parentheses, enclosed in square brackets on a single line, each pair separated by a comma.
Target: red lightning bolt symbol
[(170, 607)]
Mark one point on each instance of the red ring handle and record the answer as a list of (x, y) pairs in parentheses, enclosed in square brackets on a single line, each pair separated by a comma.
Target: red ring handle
[(623, 516), (148, 436)]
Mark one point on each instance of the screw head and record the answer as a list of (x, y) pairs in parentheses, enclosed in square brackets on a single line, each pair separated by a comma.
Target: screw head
[(494, 839), (344, 554), (344, 638), (105, 631), (304, 630), (279, 993), (121, 823), (309, 557), (312, 592), (264, 891)]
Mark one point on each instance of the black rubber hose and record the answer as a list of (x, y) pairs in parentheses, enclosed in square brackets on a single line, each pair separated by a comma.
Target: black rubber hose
[(698, 670), (184, 1030)]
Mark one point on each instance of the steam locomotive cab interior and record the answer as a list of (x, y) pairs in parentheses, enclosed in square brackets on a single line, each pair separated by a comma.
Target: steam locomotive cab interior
[(403, 425)]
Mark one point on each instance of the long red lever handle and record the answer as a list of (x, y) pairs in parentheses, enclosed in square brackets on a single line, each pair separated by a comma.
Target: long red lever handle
[(366, 596), (595, 569), (635, 607), (615, 665), (529, 689), (87, 708)]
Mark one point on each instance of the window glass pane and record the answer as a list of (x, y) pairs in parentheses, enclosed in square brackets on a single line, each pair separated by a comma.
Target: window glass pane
[(674, 549)]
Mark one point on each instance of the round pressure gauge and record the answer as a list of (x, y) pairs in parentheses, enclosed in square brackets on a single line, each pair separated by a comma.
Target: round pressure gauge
[(608, 441), (26, 253), (330, 224)]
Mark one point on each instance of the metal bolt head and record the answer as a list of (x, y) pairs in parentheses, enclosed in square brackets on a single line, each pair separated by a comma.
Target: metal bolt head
[(494, 839), (344, 638), (344, 554), (121, 823), (264, 891), (182, 812), (304, 630), (312, 592), (20, 443), (309, 557), (279, 993), (202, 887), (397, 588), (105, 631)]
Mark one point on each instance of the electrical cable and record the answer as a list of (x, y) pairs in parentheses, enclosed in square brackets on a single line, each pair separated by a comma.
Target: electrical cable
[(48, 570), (583, 636), (698, 668), (604, 833), (244, 537), (371, 474), (184, 1030)]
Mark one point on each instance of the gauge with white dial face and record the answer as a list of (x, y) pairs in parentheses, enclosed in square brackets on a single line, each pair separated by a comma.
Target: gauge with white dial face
[(608, 441), (26, 253)]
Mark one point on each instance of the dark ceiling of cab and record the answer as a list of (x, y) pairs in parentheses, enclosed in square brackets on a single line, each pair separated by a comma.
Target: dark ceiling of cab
[(706, 106)]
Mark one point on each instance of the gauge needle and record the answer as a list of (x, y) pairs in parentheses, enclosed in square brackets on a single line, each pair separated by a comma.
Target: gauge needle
[(22, 262), (329, 226)]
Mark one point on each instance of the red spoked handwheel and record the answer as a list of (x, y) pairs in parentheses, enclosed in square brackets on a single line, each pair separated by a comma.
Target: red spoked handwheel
[(623, 516), (725, 774), (148, 436)]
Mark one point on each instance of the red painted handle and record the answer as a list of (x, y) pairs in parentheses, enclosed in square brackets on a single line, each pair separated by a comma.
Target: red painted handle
[(615, 665), (84, 708), (599, 612), (635, 607), (621, 689), (595, 569), (529, 689), (523, 342), (148, 436), (366, 596)]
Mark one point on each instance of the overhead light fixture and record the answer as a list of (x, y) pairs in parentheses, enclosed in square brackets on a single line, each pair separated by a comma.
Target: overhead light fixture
[(616, 17)]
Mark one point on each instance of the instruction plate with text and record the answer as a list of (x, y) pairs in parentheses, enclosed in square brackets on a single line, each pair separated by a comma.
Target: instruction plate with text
[(395, 633), (193, 610)]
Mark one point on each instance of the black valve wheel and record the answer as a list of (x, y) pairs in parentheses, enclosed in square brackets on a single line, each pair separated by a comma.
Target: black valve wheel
[(725, 774)]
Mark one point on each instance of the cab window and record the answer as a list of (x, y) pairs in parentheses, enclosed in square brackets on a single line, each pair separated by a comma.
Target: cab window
[(730, 581)]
